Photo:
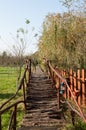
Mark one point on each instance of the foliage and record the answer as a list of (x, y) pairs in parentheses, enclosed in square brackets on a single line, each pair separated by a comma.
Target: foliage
[(80, 126), (63, 40), (27, 21), (75, 6)]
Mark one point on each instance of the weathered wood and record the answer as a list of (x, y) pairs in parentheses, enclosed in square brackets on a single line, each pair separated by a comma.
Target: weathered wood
[(0, 123), (71, 80), (79, 86), (41, 104), (83, 87)]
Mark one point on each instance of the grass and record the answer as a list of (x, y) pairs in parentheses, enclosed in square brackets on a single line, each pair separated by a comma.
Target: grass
[(7, 83), (78, 126), (79, 123), (8, 86)]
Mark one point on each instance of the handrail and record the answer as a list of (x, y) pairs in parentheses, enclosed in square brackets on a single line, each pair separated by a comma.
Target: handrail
[(23, 84), (10, 106), (72, 95), (19, 87), (12, 122), (28, 68)]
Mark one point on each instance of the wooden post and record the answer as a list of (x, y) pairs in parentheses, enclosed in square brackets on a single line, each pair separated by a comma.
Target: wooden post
[(51, 75), (71, 80), (83, 87), (79, 98), (65, 73), (0, 123), (75, 78), (24, 95), (62, 73), (73, 117), (14, 120), (58, 96), (29, 70), (65, 92)]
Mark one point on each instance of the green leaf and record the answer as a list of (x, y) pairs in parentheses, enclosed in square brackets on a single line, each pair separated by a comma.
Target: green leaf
[(27, 21)]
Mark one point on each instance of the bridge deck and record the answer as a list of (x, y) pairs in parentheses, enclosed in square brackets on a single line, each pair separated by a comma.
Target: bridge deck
[(42, 113)]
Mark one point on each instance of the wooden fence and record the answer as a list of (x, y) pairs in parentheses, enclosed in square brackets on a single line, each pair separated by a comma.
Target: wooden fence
[(77, 83), (71, 88)]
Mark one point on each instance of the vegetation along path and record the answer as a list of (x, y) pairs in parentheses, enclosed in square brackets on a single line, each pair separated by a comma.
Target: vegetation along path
[(42, 113)]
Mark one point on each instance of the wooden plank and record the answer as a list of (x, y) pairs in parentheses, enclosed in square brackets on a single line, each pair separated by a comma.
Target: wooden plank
[(75, 86), (79, 86), (71, 80), (0, 123), (83, 87)]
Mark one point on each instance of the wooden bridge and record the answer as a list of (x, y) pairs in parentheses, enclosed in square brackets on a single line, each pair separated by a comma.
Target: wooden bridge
[(44, 100), (41, 104)]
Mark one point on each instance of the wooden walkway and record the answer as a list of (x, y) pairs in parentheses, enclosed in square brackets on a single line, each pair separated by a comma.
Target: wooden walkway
[(41, 103)]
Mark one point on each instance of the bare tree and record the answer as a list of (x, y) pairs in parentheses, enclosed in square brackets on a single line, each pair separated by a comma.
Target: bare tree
[(19, 47)]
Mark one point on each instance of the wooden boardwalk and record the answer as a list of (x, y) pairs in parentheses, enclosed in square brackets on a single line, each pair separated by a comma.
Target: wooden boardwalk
[(42, 113)]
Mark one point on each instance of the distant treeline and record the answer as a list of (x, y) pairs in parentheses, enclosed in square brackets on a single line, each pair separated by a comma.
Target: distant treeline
[(10, 60)]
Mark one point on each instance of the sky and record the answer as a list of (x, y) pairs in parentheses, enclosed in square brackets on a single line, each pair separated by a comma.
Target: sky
[(13, 14)]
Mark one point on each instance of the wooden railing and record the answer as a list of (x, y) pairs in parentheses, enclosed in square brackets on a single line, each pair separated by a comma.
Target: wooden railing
[(67, 91), (77, 83), (14, 106)]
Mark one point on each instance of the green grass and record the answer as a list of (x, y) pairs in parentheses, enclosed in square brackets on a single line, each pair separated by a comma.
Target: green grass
[(79, 123), (8, 87), (78, 126), (7, 83)]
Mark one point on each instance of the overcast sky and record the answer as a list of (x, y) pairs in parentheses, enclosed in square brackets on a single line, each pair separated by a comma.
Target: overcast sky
[(13, 14)]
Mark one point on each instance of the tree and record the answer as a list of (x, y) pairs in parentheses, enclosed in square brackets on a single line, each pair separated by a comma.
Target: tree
[(20, 46), (63, 36), (75, 6), (62, 39)]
